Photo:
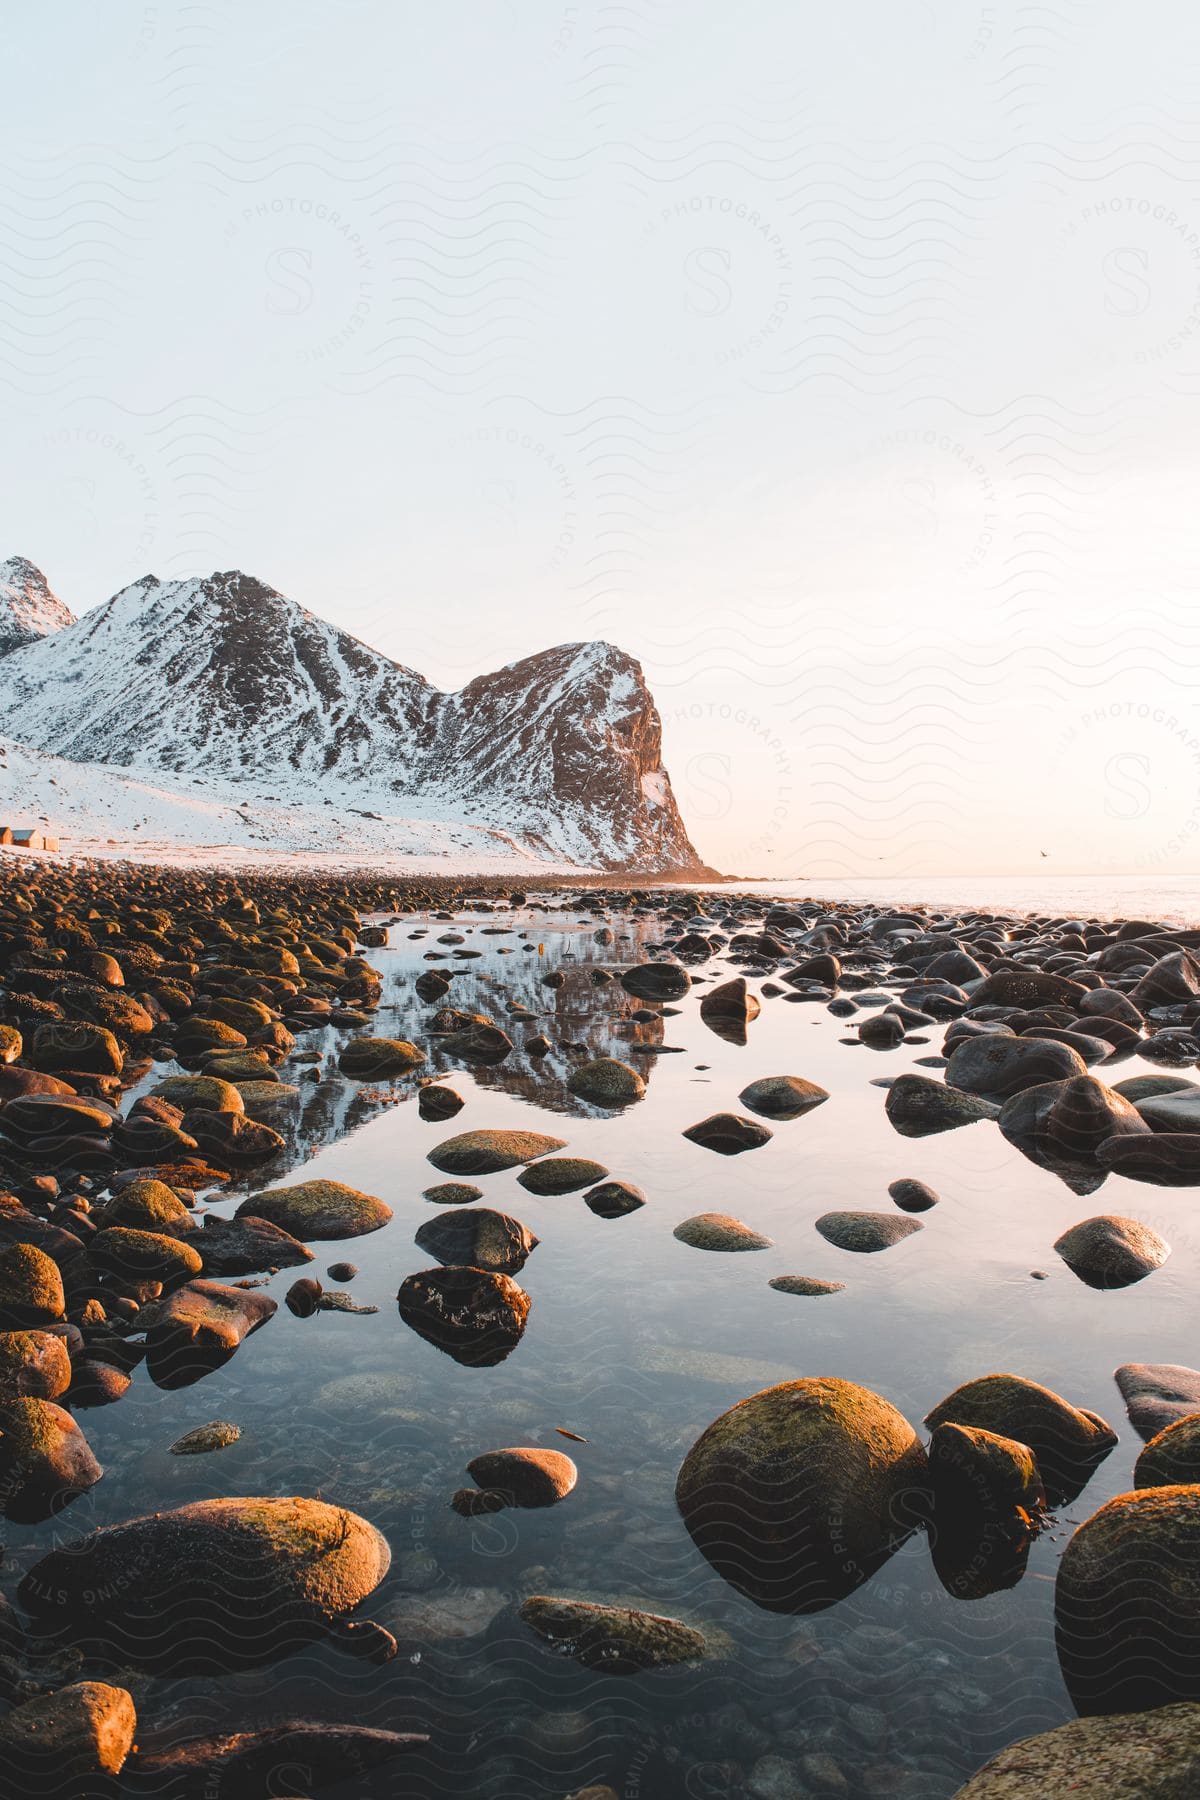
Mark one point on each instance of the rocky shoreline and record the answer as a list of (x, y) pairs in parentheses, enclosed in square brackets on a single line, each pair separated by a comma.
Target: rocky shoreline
[(168, 1039)]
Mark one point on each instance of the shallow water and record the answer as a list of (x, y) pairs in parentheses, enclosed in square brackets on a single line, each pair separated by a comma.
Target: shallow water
[(1171, 899), (637, 1342)]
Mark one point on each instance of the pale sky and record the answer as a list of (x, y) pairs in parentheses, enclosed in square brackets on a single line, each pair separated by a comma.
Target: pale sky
[(842, 363)]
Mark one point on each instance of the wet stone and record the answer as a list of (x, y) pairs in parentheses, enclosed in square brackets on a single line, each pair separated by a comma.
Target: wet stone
[(728, 1134), (808, 1286), (866, 1231), (718, 1231)]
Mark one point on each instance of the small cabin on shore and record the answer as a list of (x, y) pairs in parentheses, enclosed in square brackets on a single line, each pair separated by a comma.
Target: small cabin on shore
[(27, 837)]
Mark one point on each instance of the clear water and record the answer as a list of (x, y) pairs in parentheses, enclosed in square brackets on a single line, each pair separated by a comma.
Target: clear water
[(637, 1342)]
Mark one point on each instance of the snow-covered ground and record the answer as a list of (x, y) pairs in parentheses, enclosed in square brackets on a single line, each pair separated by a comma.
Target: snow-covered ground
[(97, 810)]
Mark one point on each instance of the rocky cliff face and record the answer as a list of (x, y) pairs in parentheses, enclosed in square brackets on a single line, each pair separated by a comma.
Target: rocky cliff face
[(225, 679), (28, 609)]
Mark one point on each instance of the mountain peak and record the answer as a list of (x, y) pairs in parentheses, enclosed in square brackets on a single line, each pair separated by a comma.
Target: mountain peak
[(28, 608), (222, 674)]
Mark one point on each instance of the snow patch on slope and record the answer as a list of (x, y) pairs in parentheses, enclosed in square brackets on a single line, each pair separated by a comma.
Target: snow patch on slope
[(28, 608), (106, 812)]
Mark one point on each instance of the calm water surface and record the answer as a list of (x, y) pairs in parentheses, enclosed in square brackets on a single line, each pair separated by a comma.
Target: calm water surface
[(637, 1342)]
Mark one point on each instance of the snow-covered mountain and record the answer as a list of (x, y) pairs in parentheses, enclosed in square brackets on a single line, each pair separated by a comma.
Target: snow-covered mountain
[(223, 680), (28, 609)]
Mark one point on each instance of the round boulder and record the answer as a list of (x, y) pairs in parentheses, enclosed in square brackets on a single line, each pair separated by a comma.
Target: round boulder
[(490, 1152), (798, 1494), (866, 1232), (1172, 1459), (1132, 1756), (1127, 1603), (45, 1460), (525, 1477), (728, 1134), (475, 1316), (1112, 1252), (138, 1256), (318, 1209), (31, 1288), (607, 1082), (71, 1742), (215, 1584), (911, 1195), (560, 1175), (34, 1363), (614, 1199), (379, 1059), (918, 1107), (656, 981), (718, 1231), (479, 1238), (782, 1096), (1068, 1441), (996, 1067)]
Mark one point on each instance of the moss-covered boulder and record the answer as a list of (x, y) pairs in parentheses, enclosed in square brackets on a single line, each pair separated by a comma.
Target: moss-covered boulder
[(202, 1440), (561, 1175), (478, 1237), (207, 1092), (31, 1288), (34, 1363), (197, 1328), (1068, 1441), (1172, 1459), (148, 1206), (45, 1460), (138, 1256), (452, 1193), (318, 1209), (1132, 1756), (606, 1081), (782, 1096), (245, 1015), (195, 1037), (616, 1640), (437, 1102), (233, 1139), (1127, 1603), (239, 1065), (274, 1103), (806, 1286), (72, 1742), (118, 1011), (489, 1152), (798, 1494), (215, 1584), (718, 1231), (379, 1059)]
